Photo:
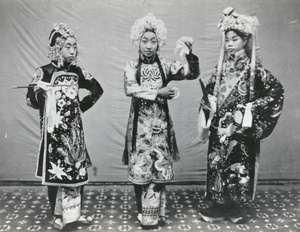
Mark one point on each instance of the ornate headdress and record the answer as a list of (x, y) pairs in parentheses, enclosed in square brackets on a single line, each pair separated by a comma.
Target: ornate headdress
[(247, 25), (151, 23), (57, 37), (231, 20)]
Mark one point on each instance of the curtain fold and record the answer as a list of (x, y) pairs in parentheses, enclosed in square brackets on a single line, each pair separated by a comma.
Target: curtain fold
[(103, 29)]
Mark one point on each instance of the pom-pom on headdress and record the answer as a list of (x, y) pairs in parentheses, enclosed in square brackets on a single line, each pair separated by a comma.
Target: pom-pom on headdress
[(247, 25), (151, 23), (57, 37)]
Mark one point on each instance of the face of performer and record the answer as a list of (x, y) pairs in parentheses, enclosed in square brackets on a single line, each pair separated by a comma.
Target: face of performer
[(234, 42), (69, 50), (149, 44)]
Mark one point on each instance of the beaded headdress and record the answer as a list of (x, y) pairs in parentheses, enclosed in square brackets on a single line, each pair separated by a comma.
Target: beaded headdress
[(57, 37), (247, 25), (151, 23)]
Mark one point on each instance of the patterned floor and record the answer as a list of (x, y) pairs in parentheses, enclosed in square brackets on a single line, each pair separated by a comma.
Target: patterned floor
[(26, 208)]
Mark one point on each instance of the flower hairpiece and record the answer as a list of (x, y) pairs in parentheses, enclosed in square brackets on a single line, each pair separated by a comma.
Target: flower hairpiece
[(231, 20), (148, 22)]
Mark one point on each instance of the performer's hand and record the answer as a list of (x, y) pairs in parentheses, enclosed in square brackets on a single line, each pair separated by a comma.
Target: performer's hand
[(166, 92), (41, 90), (40, 95), (42, 85), (188, 42), (206, 107), (190, 46), (184, 46), (209, 106)]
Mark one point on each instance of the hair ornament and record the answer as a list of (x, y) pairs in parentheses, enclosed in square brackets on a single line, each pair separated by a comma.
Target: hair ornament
[(148, 23), (60, 30)]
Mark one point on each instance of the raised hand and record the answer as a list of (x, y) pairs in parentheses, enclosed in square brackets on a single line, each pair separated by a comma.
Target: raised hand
[(184, 46)]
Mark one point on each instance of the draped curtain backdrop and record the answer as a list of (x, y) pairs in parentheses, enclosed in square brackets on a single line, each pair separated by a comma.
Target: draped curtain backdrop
[(103, 28)]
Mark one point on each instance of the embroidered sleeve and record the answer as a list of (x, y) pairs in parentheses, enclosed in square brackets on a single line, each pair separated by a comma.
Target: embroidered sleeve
[(132, 88), (86, 81), (268, 105), (86, 74), (178, 71), (34, 96)]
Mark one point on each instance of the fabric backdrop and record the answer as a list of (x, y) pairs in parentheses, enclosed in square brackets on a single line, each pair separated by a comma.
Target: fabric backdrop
[(104, 46)]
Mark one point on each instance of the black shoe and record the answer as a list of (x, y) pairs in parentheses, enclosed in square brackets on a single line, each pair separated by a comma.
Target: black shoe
[(213, 214), (162, 221), (152, 227), (236, 215)]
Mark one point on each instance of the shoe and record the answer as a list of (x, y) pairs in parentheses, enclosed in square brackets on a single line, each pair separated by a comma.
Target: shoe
[(213, 214), (236, 219), (58, 223), (146, 227), (236, 215), (139, 217), (162, 221), (152, 227), (85, 220)]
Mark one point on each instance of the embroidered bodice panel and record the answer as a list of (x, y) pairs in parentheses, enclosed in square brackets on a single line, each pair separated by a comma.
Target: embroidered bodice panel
[(151, 76), (233, 70)]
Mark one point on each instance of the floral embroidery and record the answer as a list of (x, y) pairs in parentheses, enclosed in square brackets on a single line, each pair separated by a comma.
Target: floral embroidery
[(37, 75), (151, 77), (57, 171), (232, 147), (153, 127), (57, 119), (152, 158), (67, 151), (61, 103), (86, 74)]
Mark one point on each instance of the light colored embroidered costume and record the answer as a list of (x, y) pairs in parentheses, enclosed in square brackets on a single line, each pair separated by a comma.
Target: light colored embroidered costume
[(150, 146)]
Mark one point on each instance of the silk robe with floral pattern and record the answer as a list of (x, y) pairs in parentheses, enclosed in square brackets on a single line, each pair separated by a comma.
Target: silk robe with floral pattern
[(150, 146)]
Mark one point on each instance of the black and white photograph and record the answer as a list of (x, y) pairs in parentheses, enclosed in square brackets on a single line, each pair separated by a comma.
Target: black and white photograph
[(149, 115)]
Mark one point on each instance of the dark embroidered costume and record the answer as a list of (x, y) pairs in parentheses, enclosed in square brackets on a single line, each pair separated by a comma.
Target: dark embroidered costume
[(234, 149), (63, 157)]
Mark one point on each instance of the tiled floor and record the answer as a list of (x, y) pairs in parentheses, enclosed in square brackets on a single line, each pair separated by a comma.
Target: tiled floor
[(276, 208)]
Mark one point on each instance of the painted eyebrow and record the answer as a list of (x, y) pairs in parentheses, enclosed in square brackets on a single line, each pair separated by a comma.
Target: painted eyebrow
[(75, 44), (233, 37), (154, 37), (149, 39)]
